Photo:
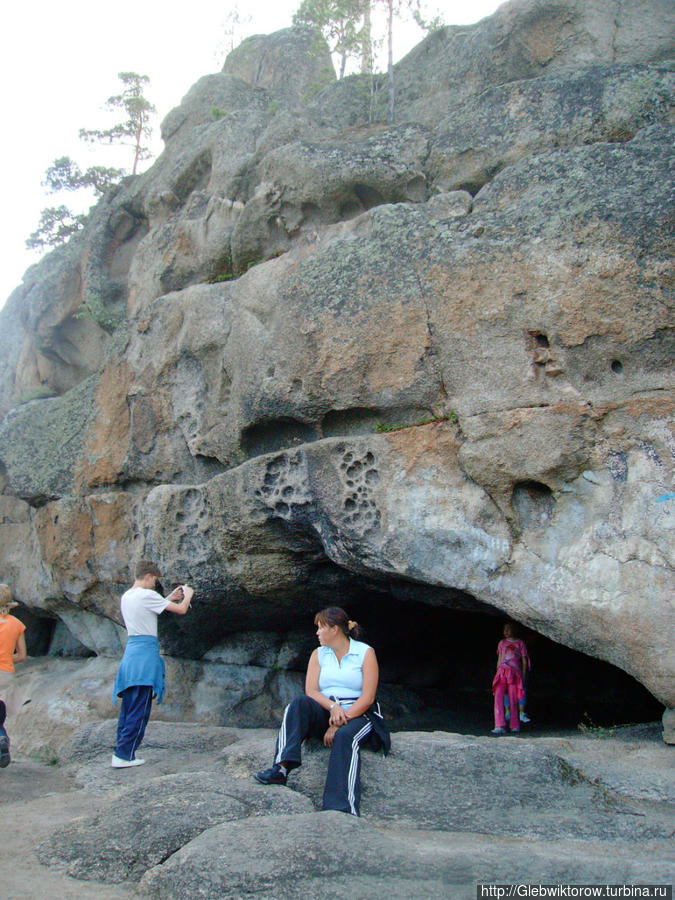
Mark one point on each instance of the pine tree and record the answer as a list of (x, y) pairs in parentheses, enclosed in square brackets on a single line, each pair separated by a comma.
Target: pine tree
[(65, 175), (338, 21), (136, 129), (58, 223), (396, 8)]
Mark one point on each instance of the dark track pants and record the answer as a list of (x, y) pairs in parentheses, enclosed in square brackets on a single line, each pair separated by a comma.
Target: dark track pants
[(134, 715), (303, 718)]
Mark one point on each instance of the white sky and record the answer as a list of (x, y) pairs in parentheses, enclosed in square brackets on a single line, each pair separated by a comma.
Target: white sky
[(59, 63)]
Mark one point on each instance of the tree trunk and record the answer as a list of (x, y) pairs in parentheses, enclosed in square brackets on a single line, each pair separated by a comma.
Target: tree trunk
[(390, 59), (367, 41), (137, 149)]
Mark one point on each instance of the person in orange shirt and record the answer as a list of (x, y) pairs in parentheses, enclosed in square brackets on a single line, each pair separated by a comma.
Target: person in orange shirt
[(12, 650)]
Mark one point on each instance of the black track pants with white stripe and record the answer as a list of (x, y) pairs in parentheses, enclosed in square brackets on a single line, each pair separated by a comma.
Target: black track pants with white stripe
[(305, 717)]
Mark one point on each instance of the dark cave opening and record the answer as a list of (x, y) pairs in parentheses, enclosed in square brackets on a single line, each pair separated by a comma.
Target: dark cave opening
[(46, 635), (437, 666), (436, 661)]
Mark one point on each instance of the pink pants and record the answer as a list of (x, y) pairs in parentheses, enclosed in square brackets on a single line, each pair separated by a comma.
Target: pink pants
[(500, 689)]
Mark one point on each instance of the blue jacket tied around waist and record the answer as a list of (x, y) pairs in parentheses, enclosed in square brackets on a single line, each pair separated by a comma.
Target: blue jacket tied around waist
[(141, 665)]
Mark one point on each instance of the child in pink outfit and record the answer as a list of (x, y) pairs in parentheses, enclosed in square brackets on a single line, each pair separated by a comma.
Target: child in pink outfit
[(512, 664)]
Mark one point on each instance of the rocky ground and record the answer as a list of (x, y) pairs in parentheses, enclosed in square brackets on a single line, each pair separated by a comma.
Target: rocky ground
[(443, 812)]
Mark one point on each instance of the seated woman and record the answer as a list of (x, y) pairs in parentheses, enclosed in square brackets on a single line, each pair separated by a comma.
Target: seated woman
[(338, 706)]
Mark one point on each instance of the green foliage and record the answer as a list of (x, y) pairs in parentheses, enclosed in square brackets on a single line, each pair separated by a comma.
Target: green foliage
[(217, 113), (136, 128), (588, 727), (226, 276), (94, 308), (346, 26), (57, 225), (45, 755), (65, 175), (339, 22), (397, 9), (38, 393), (381, 428), (420, 17)]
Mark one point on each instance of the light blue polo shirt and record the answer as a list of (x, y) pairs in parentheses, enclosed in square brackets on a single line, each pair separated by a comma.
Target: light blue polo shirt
[(342, 680)]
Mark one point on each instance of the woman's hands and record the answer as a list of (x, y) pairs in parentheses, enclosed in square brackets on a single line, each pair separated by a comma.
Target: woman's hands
[(329, 736), (338, 716)]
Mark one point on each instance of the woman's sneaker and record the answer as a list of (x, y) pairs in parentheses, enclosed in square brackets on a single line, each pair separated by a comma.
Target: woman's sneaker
[(498, 731), (271, 776)]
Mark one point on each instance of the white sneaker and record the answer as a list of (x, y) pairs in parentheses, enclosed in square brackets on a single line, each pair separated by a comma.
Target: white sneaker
[(118, 763), (525, 718)]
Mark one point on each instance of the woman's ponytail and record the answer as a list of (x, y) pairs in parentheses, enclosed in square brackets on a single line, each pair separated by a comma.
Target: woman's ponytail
[(354, 630), (335, 615)]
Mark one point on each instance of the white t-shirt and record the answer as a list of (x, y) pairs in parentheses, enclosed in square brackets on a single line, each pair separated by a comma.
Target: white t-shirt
[(140, 608)]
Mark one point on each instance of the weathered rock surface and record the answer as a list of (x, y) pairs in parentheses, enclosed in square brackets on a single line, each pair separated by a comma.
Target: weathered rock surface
[(526, 40), (286, 858), (443, 782), (522, 118), (69, 694), (669, 726), (289, 278), (104, 848), (575, 810)]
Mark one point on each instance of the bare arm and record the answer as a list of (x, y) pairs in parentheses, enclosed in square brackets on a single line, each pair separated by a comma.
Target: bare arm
[(20, 654), (312, 682), (371, 676), (524, 660), (180, 607)]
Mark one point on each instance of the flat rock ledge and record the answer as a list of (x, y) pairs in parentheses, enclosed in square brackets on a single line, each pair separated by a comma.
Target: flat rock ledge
[(440, 814)]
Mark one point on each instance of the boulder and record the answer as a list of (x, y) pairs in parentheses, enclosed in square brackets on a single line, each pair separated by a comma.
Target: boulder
[(285, 857), (104, 847), (108, 828), (573, 809), (445, 782), (527, 39), (294, 63), (315, 352)]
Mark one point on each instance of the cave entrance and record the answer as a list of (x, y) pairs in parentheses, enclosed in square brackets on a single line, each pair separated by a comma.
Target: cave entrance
[(437, 665), (46, 635), (437, 653)]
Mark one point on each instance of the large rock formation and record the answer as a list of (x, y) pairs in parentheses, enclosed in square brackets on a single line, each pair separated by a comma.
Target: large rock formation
[(307, 350), (193, 823)]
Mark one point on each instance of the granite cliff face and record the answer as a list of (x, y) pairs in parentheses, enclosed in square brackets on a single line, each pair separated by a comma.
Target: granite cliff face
[(292, 277)]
